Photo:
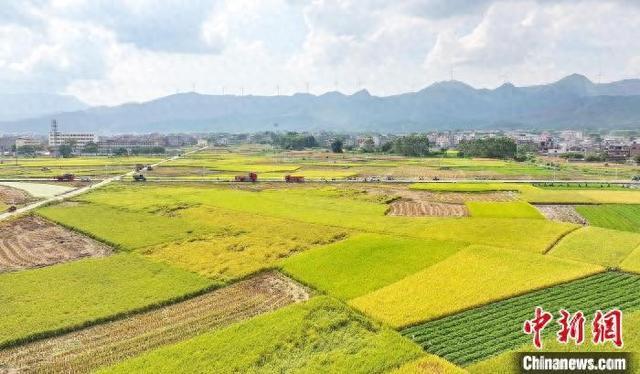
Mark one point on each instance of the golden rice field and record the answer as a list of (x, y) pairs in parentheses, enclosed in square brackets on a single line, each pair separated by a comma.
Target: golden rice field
[(472, 277), (194, 280)]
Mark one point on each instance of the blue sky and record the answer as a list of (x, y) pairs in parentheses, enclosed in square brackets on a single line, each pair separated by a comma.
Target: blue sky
[(109, 52)]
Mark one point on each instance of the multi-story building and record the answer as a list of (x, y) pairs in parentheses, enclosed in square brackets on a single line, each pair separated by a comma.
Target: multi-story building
[(617, 152), (634, 149), (57, 138)]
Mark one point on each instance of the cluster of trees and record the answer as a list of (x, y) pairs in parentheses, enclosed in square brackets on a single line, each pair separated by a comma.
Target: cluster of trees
[(501, 147), (573, 155), (337, 146), (139, 151), (27, 150), (294, 141), (413, 145)]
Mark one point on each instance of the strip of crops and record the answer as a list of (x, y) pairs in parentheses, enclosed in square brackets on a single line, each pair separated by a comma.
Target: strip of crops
[(88, 349), (482, 332), (612, 216)]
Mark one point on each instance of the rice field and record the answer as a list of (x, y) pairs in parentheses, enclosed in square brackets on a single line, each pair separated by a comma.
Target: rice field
[(462, 281), (632, 262), (321, 335), (512, 209), (192, 284), (240, 244), (429, 364), (479, 333), (86, 350), (597, 246), (85, 292), (500, 232), (364, 263), (49, 167), (612, 216)]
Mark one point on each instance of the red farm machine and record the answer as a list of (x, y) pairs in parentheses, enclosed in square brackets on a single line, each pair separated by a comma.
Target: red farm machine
[(294, 179), (251, 177)]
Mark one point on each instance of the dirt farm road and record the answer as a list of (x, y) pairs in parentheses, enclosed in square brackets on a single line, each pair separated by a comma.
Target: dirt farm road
[(82, 190)]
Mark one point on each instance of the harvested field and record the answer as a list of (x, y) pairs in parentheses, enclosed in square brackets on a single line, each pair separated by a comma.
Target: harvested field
[(32, 242), (443, 197), (14, 196), (462, 197), (563, 213), (87, 349), (412, 208)]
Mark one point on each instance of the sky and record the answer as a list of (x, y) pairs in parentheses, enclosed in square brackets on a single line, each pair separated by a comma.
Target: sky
[(107, 52)]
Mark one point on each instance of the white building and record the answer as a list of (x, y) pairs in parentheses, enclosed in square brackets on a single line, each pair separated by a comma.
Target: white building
[(57, 138)]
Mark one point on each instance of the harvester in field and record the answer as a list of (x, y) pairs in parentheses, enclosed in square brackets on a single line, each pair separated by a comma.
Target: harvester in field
[(65, 178), (294, 179), (251, 177)]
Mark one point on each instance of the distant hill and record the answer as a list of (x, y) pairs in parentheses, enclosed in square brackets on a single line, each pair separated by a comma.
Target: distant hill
[(572, 102), (21, 106)]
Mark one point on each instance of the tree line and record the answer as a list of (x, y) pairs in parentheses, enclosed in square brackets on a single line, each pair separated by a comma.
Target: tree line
[(500, 147)]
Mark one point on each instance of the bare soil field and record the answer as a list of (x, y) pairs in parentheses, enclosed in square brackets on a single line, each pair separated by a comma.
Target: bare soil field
[(412, 208), (14, 196), (564, 213), (31, 242), (85, 350)]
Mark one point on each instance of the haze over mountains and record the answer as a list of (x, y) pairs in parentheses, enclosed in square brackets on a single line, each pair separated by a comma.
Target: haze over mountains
[(572, 102), (21, 106)]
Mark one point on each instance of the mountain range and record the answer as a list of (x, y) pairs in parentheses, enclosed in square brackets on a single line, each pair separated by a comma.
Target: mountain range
[(572, 102), (29, 105)]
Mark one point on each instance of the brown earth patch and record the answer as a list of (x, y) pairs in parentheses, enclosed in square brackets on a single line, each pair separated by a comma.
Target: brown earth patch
[(462, 197), (85, 350), (412, 208), (14, 196), (564, 213), (441, 197), (32, 242)]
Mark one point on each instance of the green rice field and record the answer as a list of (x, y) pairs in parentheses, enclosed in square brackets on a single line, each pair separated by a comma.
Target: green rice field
[(367, 287), (612, 216)]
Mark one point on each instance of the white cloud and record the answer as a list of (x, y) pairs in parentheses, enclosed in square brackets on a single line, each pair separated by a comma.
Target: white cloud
[(107, 52)]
